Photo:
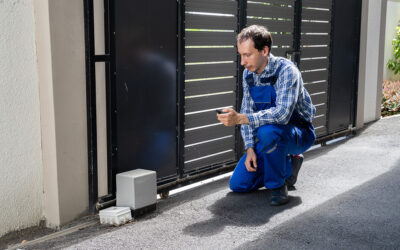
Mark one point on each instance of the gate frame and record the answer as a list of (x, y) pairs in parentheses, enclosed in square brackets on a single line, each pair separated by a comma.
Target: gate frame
[(109, 60), (181, 90), (182, 178)]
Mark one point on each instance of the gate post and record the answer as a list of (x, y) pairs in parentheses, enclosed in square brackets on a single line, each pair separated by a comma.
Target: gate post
[(180, 150), (91, 104), (242, 20), (297, 33)]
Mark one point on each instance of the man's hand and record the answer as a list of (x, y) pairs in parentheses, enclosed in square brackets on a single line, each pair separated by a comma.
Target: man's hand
[(251, 160), (231, 118)]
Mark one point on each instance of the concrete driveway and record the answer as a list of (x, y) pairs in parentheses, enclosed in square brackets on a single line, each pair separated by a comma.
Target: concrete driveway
[(347, 197)]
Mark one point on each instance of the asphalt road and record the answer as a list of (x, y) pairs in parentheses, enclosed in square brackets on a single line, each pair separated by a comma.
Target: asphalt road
[(347, 197)]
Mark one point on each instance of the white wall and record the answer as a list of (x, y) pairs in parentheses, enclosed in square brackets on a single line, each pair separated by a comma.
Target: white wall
[(20, 144), (392, 20), (66, 19), (61, 62), (373, 56)]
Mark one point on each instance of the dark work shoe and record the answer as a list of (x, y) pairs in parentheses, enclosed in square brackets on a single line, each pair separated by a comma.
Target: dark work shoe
[(297, 160), (279, 196)]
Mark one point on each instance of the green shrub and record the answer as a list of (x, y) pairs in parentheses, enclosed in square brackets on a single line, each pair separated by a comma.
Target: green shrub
[(394, 64), (391, 98)]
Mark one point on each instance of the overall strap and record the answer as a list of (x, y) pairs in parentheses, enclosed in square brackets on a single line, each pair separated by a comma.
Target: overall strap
[(272, 79), (249, 79)]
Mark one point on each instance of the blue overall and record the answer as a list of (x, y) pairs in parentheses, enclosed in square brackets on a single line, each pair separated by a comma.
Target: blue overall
[(274, 143)]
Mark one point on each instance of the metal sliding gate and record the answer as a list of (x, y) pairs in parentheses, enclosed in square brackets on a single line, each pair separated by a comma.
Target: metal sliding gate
[(211, 74), (171, 64), (301, 30)]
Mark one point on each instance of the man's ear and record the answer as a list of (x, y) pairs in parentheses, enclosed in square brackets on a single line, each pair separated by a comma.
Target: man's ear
[(265, 51)]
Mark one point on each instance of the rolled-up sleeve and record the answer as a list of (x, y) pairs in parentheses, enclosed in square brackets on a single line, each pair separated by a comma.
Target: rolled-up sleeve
[(246, 130)]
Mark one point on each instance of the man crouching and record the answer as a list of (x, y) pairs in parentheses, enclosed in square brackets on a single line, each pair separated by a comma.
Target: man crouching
[(275, 118)]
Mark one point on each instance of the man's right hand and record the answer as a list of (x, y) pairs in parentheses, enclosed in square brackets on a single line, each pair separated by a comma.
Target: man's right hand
[(251, 160)]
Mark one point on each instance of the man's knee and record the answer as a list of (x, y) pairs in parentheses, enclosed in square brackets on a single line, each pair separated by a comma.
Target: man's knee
[(238, 186), (268, 137), (269, 132)]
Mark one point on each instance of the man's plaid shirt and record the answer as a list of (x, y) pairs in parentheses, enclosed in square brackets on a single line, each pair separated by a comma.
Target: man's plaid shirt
[(290, 95)]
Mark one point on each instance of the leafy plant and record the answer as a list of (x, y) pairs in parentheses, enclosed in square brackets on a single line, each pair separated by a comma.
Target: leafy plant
[(391, 98), (394, 64)]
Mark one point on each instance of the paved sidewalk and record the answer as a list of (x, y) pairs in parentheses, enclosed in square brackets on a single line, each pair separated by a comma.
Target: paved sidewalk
[(347, 197)]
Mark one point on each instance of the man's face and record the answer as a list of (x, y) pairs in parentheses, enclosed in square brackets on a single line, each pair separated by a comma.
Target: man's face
[(252, 59)]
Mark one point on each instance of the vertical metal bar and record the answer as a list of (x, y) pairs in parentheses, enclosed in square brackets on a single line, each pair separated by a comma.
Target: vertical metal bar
[(331, 36), (357, 20), (181, 89), (113, 96), (297, 32), (108, 99), (109, 38), (91, 104), (242, 14), (241, 23)]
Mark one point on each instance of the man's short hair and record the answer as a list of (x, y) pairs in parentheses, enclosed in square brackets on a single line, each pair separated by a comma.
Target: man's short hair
[(259, 34)]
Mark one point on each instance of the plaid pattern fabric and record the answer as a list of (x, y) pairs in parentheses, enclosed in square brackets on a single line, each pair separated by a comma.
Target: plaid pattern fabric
[(290, 95)]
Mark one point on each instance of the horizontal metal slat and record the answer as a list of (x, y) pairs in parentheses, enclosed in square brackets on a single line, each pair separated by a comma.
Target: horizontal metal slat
[(213, 160), (213, 6), (316, 87), (209, 148), (320, 110), (319, 121), (279, 51), (210, 54), (314, 52), (315, 40), (277, 2), (282, 40), (210, 86), (197, 38), (315, 76), (314, 64), (208, 133), (210, 102), (210, 70), (320, 98), (321, 131), (312, 14), (194, 21), (323, 4), (273, 25), (314, 27), (200, 119), (261, 10)]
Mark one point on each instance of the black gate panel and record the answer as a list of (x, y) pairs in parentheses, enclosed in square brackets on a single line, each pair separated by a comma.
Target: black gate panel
[(315, 44), (345, 51), (210, 82), (146, 63), (170, 64)]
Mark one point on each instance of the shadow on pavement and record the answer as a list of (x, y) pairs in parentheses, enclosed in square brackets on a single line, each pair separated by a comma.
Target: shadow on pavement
[(367, 217), (247, 209)]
